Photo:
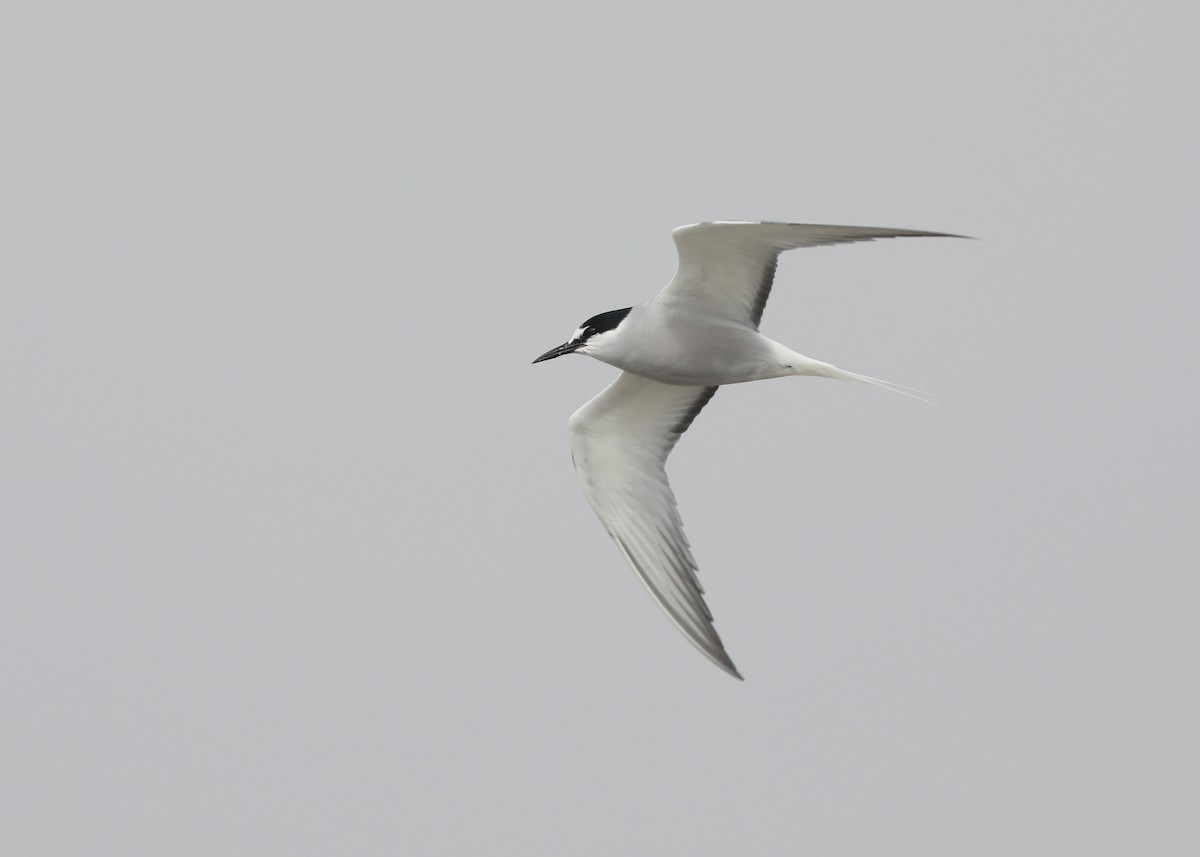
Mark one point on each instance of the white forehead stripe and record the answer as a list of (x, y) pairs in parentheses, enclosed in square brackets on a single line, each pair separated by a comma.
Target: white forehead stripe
[(578, 333)]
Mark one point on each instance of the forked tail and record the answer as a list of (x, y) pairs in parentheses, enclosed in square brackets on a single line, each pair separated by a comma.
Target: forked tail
[(828, 370)]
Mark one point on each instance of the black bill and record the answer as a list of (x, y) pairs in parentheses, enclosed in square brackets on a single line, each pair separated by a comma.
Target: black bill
[(559, 351)]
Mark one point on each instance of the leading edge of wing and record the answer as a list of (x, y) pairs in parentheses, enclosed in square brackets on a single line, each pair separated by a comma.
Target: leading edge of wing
[(807, 234), (620, 441)]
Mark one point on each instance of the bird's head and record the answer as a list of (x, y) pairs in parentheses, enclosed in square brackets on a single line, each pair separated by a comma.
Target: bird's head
[(591, 336)]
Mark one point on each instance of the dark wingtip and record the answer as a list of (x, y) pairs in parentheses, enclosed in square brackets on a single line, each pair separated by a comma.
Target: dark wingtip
[(733, 671), (726, 663)]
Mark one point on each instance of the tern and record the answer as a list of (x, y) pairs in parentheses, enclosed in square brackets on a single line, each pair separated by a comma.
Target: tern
[(698, 333)]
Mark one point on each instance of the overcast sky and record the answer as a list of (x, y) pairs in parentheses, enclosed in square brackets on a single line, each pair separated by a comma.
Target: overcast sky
[(293, 558)]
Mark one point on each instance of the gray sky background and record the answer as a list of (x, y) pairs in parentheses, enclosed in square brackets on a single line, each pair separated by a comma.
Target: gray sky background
[(294, 561)]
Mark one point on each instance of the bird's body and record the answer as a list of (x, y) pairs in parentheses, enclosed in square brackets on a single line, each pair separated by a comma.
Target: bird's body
[(699, 333), (675, 346)]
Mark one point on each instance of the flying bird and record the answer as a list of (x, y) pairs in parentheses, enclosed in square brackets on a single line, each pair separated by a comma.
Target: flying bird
[(698, 333)]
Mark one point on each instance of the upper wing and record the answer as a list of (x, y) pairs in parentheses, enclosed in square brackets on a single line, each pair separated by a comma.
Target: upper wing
[(726, 269), (620, 441)]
